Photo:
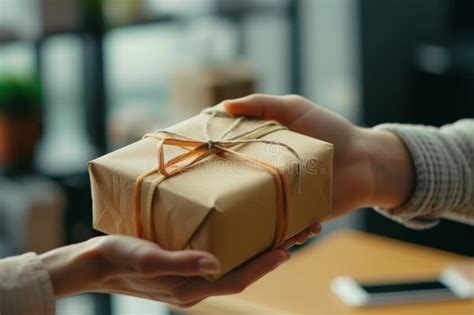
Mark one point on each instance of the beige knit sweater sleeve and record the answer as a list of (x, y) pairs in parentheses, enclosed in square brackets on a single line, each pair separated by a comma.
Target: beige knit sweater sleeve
[(25, 287), (444, 163)]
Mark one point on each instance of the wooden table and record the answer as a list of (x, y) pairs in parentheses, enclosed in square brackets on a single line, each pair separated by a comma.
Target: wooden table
[(302, 285)]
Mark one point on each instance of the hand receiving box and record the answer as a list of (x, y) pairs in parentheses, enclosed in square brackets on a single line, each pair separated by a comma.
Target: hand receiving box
[(234, 187)]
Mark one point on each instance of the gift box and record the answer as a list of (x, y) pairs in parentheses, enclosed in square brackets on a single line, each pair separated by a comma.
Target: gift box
[(234, 187)]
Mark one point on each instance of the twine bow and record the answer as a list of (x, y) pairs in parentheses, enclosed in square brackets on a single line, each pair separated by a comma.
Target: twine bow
[(198, 150)]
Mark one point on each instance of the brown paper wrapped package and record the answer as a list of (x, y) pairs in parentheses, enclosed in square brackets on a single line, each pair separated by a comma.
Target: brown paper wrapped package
[(223, 205)]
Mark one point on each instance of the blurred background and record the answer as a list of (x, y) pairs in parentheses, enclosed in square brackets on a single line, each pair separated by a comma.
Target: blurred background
[(79, 78)]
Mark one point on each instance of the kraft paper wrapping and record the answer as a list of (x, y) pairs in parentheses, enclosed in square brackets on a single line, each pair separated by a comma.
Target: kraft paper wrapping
[(223, 204)]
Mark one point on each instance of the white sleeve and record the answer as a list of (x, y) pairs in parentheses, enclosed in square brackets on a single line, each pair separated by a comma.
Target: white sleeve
[(25, 286)]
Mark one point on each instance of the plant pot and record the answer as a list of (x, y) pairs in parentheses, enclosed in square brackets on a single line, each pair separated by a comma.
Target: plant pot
[(18, 139)]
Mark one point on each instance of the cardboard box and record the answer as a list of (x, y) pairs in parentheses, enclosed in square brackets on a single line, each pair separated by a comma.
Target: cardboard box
[(226, 204)]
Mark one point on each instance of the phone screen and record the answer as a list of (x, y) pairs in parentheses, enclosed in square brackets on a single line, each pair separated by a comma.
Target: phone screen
[(404, 287)]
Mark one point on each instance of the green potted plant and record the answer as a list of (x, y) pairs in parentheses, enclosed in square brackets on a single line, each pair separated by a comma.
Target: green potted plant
[(20, 121)]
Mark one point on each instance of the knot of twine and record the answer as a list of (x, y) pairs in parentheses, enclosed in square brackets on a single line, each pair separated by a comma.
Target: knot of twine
[(198, 150)]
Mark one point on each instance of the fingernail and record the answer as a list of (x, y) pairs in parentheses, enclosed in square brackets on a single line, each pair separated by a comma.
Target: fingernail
[(207, 265)]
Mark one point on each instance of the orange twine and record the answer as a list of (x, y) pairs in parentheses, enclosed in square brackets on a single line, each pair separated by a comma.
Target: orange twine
[(199, 150)]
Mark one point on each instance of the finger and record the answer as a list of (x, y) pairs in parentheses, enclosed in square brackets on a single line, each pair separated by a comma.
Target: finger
[(289, 243), (233, 282), (266, 107), (255, 105), (185, 263), (239, 279), (190, 303), (303, 236), (315, 228)]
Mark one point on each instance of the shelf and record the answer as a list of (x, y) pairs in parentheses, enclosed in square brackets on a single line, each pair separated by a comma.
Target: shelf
[(234, 12), (9, 38), (150, 21), (12, 39)]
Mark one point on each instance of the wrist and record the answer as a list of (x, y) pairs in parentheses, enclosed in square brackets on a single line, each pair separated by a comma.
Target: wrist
[(72, 268), (392, 169)]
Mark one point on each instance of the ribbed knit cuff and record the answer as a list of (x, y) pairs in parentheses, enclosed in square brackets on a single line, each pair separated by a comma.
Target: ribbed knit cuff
[(25, 286), (440, 179)]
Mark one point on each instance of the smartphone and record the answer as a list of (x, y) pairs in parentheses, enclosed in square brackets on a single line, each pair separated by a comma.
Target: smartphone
[(450, 285)]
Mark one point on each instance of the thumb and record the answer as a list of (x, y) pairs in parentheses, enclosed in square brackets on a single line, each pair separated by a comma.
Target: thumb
[(183, 263), (283, 109)]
